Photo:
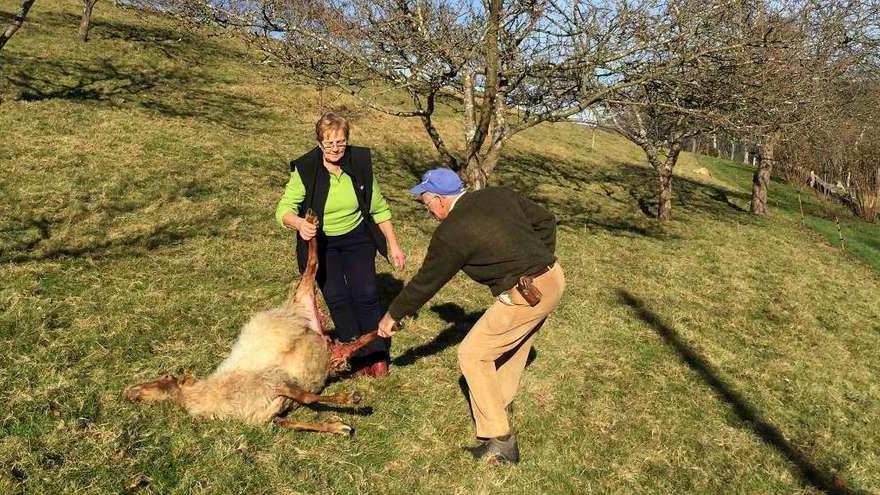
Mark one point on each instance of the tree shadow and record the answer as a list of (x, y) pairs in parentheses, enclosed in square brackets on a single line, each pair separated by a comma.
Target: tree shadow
[(406, 162), (620, 198), (27, 239), (169, 76), (172, 91), (809, 472), (461, 323), (135, 244), (173, 42)]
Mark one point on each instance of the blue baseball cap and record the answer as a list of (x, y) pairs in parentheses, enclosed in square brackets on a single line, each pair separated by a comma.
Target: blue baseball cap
[(439, 181)]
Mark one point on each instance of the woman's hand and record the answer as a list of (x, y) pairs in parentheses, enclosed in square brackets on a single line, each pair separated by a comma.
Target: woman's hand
[(395, 254), (306, 230), (398, 258)]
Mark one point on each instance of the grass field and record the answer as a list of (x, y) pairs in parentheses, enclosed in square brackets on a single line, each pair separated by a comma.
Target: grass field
[(717, 353)]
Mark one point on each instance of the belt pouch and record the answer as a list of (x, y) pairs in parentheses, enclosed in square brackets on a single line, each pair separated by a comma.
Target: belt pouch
[(529, 292)]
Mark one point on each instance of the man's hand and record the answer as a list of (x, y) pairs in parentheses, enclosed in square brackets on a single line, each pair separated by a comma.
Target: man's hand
[(387, 326)]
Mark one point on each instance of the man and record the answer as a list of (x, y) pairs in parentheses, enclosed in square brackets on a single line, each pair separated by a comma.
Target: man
[(496, 236)]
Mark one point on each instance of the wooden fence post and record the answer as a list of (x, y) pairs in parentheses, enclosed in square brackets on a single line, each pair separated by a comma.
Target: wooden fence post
[(801, 205), (840, 233)]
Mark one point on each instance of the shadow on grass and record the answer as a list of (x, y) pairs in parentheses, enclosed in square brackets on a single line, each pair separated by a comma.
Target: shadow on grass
[(162, 76), (404, 163), (389, 286), (771, 435), (173, 91), (782, 194), (461, 323), (620, 198), (355, 411), (27, 247), (522, 173), (173, 43)]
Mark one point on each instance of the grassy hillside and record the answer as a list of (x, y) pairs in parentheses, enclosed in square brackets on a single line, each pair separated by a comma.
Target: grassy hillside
[(829, 219), (719, 353)]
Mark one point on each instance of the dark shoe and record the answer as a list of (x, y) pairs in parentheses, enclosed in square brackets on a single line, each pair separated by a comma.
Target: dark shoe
[(497, 450)]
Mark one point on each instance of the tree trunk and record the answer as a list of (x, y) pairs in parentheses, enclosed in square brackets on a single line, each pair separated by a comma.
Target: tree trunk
[(732, 149), (745, 155), (664, 180), (86, 20), (761, 177), (17, 21), (475, 176), (478, 170), (490, 84), (470, 122), (664, 207)]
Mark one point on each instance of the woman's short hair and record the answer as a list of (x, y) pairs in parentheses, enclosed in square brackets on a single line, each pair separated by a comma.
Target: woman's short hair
[(330, 121)]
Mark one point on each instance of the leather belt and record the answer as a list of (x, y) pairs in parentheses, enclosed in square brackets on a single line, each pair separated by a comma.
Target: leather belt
[(541, 271)]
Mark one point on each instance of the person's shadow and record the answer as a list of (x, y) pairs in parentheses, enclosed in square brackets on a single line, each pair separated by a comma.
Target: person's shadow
[(388, 287), (460, 323)]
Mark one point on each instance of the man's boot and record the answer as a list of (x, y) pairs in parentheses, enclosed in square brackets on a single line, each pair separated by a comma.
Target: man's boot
[(498, 449)]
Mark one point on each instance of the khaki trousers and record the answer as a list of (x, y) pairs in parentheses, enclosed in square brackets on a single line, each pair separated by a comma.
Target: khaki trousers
[(493, 355)]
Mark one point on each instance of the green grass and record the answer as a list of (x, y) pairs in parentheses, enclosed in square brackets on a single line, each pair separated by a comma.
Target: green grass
[(860, 239), (717, 353)]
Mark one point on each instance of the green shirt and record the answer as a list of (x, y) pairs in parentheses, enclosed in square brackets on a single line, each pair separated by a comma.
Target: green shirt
[(341, 212)]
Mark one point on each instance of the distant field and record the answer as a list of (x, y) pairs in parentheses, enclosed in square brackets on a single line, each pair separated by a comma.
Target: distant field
[(717, 353)]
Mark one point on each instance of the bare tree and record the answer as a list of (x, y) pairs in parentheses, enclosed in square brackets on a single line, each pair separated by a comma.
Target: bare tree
[(17, 21), (86, 19), (661, 136), (796, 50), (504, 65), (660, 114)]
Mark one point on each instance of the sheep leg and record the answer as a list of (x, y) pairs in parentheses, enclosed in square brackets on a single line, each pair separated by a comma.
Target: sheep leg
[(341, 352), (305, 290), (303, 294), (337, 427), (165, 388), (301, 396)]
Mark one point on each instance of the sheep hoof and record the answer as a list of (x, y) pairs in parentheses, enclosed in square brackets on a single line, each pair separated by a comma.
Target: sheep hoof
[(356, 397), (132, 394), (344, 429)]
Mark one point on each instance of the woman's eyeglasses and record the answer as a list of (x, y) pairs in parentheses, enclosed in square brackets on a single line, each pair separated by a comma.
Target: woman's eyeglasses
[(328, 145)]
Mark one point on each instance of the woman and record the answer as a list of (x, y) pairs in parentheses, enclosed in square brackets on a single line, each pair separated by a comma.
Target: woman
[(336, 181)]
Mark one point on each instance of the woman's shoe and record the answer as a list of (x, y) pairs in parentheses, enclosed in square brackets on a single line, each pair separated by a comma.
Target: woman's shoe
[(379, 369)]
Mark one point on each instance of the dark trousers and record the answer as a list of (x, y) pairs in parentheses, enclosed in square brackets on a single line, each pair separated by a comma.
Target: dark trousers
[(347, 278)]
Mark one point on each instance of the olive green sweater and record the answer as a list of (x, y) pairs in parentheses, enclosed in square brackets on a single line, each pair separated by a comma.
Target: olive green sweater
[(494, 235)]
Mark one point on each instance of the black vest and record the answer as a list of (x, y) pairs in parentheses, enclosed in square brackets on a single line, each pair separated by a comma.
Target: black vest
[(316, 179)]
